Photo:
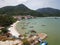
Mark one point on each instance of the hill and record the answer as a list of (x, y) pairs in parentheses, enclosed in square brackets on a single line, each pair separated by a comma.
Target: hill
[(18, 10), (49, 11)]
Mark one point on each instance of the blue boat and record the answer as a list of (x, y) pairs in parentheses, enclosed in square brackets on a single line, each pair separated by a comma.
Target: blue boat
[(43, 43)]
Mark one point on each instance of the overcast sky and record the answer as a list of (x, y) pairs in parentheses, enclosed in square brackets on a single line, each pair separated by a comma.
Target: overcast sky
[(32, 4)]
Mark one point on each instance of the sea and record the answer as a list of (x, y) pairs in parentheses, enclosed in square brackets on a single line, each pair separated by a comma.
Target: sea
[(48, 25)]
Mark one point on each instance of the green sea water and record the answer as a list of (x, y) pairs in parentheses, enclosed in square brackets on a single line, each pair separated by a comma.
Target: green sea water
[(51, 26)]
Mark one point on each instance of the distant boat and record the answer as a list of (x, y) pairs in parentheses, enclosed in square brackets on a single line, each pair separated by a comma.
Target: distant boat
[(56, 18), (33, 31), (43, 25), (31, 26), (26, 32), (23, 28)]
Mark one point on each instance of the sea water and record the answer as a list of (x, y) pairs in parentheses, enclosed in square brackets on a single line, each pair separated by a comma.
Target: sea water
[(48, 25)]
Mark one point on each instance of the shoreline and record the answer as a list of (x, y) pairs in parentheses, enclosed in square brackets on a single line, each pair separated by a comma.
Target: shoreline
[(13, 30)]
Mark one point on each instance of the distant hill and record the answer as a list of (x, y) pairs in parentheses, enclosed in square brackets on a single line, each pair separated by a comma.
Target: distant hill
[(18, 10), (21, 9), (49, 11)]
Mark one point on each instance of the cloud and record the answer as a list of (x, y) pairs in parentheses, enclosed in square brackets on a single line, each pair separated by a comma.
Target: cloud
[(22, 0), (32, 4), (35, 4)]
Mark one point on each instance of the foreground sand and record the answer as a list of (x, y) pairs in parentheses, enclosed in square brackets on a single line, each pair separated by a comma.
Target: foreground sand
[(13, 30), (8, 42)]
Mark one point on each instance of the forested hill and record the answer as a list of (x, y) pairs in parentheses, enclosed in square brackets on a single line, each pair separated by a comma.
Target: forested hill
[(18, 10), (21, 9), (49, 11)]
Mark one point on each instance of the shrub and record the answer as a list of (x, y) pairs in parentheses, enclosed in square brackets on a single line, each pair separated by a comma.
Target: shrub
[(25, 42)]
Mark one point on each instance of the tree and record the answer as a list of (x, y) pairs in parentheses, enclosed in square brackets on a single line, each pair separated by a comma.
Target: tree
[(6, 20), (4, 30)]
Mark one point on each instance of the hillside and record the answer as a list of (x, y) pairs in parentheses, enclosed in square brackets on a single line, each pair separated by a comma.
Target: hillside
[(49, 11), (18, 10), (21, 9)]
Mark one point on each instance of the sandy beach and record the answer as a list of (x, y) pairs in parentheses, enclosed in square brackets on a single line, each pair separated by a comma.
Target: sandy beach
[(10, 42), (13, 30)]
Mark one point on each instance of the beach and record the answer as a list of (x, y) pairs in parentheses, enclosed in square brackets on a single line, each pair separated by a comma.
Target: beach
[(13, 30), (11, 42)]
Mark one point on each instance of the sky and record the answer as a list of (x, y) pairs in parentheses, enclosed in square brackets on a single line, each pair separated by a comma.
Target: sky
[(32, 4)]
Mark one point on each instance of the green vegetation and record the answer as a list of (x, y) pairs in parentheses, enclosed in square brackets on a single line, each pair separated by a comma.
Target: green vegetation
[(23, 10), (38, 44), (4, 30), (35, 13), (25, 42), (6, 20), (49, 12), (18, 10)]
